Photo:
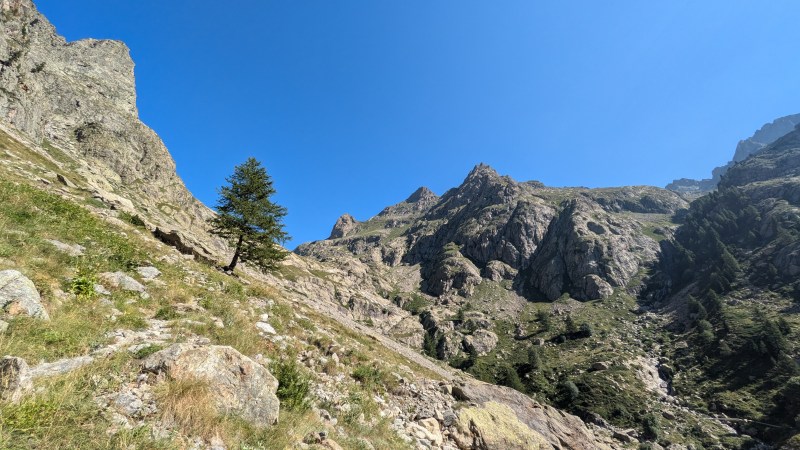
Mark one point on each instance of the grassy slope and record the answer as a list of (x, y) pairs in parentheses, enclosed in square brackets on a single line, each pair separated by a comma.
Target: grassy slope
[(62, 413)]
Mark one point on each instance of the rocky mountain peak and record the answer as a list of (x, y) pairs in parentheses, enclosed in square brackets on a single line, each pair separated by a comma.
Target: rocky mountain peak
[(481, 172), (422, 195), (343, 226)]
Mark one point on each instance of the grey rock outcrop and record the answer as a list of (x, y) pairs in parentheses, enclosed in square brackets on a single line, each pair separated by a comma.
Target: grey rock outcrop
[(585, 241), (450, 272), (595, 287), (239, 384), (344, 225), (77, 100), (18, 295)]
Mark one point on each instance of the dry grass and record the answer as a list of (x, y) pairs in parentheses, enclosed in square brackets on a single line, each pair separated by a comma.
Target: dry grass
[(188, 406)]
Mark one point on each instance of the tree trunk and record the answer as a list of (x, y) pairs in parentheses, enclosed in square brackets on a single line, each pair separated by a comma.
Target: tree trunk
[(235, 259)]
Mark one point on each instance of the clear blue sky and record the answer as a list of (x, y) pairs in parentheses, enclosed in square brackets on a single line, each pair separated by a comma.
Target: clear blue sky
[(351, 105)]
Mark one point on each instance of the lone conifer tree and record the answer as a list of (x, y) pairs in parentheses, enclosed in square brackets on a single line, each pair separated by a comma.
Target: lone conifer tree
[(248, 219)]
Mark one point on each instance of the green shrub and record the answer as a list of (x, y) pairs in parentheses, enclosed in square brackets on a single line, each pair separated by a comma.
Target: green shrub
[(293, 385), (650, 428), (372, 377), (82, 285), (146, 351), (133, 219), (166, 313)]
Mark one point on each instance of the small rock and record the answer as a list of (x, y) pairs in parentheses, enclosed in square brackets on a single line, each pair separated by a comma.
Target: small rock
[(148, 272), (266, 328), (3, 326), (15, 379), (122, 281), (71, 250), (100, 289), (128, 403), (65, 181), (601, 365), (18, 295)]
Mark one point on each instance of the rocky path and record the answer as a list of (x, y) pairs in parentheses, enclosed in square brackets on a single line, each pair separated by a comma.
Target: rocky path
[(16, 369)]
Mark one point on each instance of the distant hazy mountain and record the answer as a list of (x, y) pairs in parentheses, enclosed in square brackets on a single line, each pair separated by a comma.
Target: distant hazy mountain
[(765, 136)]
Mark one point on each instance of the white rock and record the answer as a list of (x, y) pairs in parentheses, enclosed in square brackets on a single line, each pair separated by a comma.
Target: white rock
[(71, 250), (148, 272), (266, 328)]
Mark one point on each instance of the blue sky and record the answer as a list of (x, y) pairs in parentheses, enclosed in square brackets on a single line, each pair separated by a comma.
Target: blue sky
[(351, 105)]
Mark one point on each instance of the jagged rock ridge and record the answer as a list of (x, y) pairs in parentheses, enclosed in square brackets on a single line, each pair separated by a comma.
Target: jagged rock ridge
[(555, 241)]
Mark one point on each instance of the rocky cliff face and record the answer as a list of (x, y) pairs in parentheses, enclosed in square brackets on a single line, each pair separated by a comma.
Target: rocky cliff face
[(765, 136), (580, 242), (75, 103)]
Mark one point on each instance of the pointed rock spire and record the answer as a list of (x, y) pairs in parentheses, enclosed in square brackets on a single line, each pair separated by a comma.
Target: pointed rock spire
[(422, 195)]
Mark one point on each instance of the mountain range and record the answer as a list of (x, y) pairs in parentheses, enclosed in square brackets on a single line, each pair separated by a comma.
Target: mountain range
[(502, 314)]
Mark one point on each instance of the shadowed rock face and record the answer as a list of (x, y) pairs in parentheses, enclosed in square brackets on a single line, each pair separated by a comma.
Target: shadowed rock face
[(583, 242)]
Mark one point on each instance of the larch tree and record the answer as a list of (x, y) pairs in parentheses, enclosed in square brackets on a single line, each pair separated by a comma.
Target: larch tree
[(248, 219)]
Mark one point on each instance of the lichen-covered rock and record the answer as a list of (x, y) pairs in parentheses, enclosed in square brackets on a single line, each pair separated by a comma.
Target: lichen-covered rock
[(495, 426), (18, 295), (239, 384), (507, 409)]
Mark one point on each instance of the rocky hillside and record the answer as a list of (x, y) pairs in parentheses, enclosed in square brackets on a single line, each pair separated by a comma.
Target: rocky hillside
[(765, 136), (118, 331), (729, 285), (658, 320), (534, 288)]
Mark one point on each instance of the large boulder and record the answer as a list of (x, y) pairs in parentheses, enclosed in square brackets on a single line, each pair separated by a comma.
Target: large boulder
[(18, 295), (500, 417), (480, 342), (495, 426), (595, 287), (239, 385)]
